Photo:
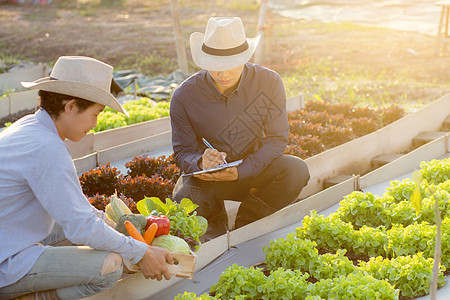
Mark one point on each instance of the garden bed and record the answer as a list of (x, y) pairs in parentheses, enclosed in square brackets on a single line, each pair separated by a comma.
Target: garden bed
[(244, 245), (331, 160)]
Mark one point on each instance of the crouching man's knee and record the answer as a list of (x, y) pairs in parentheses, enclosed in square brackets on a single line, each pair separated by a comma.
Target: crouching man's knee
[(112, 263)]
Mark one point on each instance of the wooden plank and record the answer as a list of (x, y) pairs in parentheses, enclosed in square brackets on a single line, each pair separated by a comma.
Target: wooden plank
[(181, 50), (81, 148), (447, 143), (183, 267), (426, 137), (335, 180), (11, 80), (293, 213), (85, 163), (406, 163), (430, 118), (134, 148), (4, 107), (210, 250), (446, 124), (23, 100), (295, 102), (259, 52), (382, 159), (117, 136), (17, 102)]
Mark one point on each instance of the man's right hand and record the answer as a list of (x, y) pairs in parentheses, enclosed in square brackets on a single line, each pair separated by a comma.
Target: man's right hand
[(154, 263), (211, 158)]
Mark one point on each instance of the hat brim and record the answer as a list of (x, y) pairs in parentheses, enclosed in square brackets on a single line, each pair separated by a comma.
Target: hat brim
[(219, 63), (76, 89)]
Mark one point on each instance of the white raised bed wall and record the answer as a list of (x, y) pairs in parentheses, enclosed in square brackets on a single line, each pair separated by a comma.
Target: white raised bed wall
[(18, 101)]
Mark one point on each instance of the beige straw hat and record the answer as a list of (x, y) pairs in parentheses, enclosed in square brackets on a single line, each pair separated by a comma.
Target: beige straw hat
[(81, 77), (223, 46)]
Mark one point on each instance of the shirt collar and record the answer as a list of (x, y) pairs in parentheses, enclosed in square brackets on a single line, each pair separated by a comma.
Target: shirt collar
[(43, 117), (216, 91)]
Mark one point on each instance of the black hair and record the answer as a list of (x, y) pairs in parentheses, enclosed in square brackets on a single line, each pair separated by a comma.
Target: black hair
[(53, 103)]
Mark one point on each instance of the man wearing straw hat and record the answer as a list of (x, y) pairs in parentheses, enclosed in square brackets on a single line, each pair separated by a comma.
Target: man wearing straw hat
[(39, 186), (238, 110)]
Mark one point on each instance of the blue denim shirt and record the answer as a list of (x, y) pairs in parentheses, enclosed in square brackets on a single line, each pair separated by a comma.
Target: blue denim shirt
[(248, 123), (38, 186)]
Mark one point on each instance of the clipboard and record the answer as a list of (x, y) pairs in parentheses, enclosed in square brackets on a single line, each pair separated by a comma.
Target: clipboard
[(218, 168)]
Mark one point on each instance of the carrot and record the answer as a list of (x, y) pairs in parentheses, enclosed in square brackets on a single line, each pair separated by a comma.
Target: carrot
[(149, 234), (133, 232)]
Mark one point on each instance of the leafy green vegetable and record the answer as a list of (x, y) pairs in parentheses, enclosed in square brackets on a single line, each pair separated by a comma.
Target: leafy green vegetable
[(332, 265), (140, 110), (357, 286), (193, 296), (203, 224), (184, 221), (410, 274), (286, 284), (435, 171), (239, 281), (291, 253), (172, 243)]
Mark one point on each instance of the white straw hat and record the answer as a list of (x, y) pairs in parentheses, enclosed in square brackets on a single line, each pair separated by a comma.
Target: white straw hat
[(223, 46), (81, 77)]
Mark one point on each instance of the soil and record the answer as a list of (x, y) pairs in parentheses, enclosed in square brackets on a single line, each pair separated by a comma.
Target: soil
[(140, 34)]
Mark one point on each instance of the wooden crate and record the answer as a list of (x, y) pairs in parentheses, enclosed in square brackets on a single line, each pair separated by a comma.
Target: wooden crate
[(184, 266)]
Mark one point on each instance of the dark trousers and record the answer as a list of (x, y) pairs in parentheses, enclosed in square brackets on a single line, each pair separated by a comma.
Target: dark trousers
[(276, 187)]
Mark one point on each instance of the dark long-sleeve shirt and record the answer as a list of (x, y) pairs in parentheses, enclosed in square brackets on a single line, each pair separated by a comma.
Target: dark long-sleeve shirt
[(249, 123)]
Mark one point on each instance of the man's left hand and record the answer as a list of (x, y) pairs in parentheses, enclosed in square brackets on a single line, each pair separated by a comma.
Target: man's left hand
[(228, 174)]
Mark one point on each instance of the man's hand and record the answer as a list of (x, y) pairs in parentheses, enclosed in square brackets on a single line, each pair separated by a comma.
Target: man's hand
[(153, 263), (228, 174), (211, 158)]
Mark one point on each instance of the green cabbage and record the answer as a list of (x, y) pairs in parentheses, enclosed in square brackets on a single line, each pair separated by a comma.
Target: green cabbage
[(172, 243), (203, 224)]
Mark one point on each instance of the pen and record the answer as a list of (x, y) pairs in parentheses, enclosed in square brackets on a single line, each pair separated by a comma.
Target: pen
[(211, 147)]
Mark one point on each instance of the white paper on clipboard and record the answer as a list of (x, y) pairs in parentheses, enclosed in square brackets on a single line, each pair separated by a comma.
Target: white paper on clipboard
[(218, 168)]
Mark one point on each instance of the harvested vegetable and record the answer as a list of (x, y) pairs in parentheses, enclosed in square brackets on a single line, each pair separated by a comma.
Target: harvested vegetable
[(116, 209), (133, 232), (184, 221), (203, 225), (150, 233), (172, 243), (162, 221), (139, 221)]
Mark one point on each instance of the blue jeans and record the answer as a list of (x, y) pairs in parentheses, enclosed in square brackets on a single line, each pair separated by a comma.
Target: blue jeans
[(73, 271)]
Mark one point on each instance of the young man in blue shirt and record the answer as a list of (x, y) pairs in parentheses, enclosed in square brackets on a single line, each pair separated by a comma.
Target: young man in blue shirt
[(39, 186)]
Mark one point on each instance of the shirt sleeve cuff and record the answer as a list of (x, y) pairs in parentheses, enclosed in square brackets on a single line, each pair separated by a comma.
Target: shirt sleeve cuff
[(194, 165), (135, 255)]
